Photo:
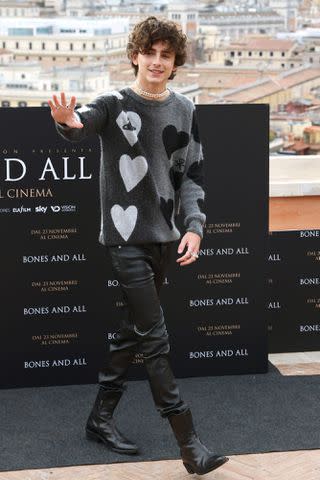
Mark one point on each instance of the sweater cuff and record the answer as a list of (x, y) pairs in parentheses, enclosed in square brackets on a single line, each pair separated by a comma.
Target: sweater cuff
[(195, 226), (63, 126)]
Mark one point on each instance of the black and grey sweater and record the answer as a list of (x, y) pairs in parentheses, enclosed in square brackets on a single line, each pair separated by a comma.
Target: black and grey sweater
[(151, 164)]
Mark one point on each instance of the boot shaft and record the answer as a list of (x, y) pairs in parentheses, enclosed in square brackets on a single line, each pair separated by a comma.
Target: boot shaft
[(106, 402), (183, 428)]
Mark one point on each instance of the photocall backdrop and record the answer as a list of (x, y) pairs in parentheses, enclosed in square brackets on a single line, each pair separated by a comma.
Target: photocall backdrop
[(60, 302), (294, 295)]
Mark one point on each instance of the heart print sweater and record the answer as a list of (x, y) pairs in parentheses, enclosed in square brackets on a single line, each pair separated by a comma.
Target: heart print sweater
[(151, 164)]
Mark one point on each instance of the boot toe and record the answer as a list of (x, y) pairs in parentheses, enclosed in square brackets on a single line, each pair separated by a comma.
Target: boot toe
[(216, 461), (126, 447)]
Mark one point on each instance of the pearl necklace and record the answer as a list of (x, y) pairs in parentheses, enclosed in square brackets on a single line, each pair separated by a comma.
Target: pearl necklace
[(149, 94)]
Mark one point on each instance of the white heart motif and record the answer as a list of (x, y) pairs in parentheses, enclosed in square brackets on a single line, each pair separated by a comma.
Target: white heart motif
[(132, 170), (130, 124), (124, 220)]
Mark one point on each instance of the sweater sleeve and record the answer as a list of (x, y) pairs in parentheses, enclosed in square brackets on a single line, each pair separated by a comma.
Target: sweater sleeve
[(192, 186), (94, 117)]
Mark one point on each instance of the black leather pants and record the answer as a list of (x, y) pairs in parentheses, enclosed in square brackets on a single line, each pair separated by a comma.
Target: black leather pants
[(140, 270)]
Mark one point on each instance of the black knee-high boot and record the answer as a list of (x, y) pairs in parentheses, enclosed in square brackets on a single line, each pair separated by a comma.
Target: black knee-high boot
[(101, 426), (195, 456)]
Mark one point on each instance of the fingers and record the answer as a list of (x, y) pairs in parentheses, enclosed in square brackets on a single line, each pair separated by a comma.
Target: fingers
[(188, 257), (72, 103), (63, 99), (53, 108), (186, 260), (56, 101), (63, 103), (182, 245)]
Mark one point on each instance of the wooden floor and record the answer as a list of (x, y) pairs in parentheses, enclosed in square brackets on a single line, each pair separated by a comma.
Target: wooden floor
[(299, 465)]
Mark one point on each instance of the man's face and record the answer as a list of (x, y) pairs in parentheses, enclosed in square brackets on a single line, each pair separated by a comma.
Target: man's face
[(155, 65)]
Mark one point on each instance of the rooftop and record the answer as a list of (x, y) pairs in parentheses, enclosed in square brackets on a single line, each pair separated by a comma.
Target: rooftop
[(268, 86), (263, 44)]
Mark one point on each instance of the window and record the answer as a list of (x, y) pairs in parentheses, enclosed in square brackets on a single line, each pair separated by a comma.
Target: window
[(84, 45), (102, 31), (46, 30), (232, 54), (271, 54), (17, 44), (71, 46), (260, 54), (30, 45), (22, 104), (250, 54), (282, 54), (44, 104), (43, 46), (57, 46), (17, 85), (26, 32), (3, 44), (5, 103), (53, 59), (94, 45)]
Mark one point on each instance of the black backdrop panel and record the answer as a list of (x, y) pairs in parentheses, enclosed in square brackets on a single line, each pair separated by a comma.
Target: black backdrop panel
[(294, 291), (222, 324), (60, 302)]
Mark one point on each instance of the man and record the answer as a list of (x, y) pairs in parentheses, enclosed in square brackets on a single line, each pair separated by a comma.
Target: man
[(151, 163)]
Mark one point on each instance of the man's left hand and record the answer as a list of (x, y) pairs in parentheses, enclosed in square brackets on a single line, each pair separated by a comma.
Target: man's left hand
[(192, 242)]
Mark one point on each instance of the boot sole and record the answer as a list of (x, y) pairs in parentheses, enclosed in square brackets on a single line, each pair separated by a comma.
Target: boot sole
[(217, 465), (99, 439)]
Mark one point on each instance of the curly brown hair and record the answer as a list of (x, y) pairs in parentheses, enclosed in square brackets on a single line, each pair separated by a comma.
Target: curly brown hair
[(152, 30)]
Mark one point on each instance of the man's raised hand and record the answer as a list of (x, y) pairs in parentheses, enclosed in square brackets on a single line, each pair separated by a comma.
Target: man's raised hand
[(63, 113)]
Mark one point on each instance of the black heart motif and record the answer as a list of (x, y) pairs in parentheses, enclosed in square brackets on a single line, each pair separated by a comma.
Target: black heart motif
[(200, 202), (176, 178), (195, 172), (194, 127), (167, 209), (173, 140)]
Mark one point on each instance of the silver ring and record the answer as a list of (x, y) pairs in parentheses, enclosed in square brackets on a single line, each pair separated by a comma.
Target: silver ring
[(195, 255)]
